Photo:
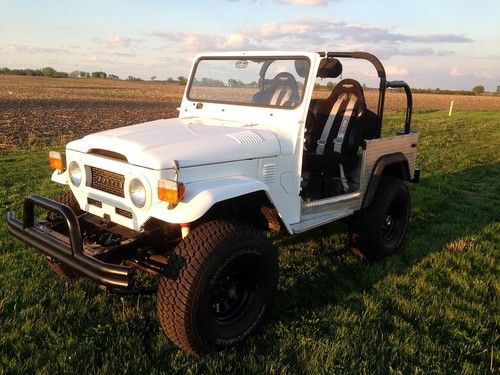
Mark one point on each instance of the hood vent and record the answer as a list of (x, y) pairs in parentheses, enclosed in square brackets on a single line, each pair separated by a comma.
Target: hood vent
[(246, 137), (108, 154)]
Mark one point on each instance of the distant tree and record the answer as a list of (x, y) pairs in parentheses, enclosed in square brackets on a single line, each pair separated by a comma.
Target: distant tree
[(83, 74), (170, 80), (99, 75), (18, 72), (182, 80), (60, 75), (113, 76), (5, 71), (153, 78), (234, 82), (330, 85), (498, 90), (48, 71), (132, 78), (479, 89), (75, 74)]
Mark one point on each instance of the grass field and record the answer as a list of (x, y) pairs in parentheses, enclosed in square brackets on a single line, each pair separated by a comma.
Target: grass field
[(432, 308)]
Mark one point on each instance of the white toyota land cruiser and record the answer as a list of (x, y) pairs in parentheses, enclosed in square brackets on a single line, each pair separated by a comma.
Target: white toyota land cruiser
[(187, 199)]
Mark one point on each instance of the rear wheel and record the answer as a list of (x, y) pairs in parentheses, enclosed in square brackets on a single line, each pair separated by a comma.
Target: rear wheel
[(69, 200), (224, 289), (379, 230)]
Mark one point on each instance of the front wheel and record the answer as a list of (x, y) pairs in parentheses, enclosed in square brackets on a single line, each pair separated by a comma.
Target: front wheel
[(224, 289), (379, 230)]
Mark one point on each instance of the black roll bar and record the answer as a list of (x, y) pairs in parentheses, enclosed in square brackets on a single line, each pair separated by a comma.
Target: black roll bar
[(382, 86), (409, 101)]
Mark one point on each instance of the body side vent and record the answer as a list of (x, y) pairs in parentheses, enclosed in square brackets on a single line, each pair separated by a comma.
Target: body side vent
[(268, 173)]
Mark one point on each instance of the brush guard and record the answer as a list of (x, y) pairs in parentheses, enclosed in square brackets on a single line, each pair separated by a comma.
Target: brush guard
[(68, 250)]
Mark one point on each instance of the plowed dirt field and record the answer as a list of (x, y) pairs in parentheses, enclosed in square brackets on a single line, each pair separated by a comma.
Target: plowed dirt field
[(39, 110)]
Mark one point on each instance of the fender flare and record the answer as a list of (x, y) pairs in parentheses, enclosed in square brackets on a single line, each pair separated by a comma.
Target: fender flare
[(396, 159), (202, 195)]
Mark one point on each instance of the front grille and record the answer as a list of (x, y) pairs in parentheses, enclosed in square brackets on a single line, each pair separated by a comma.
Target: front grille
[(110, 182)]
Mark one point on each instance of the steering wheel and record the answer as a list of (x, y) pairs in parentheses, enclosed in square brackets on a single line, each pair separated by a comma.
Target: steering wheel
[(286, 81)]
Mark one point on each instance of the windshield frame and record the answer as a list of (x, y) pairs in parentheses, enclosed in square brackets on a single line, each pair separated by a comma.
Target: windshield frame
[(249, 57)]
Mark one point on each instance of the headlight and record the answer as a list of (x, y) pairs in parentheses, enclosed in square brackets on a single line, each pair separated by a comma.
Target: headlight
[(75, 173), (137, 192)]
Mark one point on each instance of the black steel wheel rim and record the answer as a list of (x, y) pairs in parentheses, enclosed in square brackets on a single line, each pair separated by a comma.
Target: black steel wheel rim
[(233, 293), (393, 221)]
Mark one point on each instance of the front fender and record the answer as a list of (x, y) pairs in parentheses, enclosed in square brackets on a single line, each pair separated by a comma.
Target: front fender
[(202, 195)]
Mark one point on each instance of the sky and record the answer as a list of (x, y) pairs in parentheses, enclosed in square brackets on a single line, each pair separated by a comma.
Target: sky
[(449, 44)]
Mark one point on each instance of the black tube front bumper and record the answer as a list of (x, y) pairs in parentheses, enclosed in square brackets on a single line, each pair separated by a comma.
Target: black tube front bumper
[(66, 250)]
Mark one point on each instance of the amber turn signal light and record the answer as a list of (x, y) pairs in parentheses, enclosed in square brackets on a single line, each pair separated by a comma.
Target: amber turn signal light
[(57, 160), (171, 191)]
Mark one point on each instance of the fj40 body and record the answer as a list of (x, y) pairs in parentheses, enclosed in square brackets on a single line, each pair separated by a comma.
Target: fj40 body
[(188, 199)]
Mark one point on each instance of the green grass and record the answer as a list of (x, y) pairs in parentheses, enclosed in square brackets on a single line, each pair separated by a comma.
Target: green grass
[(431, 308)]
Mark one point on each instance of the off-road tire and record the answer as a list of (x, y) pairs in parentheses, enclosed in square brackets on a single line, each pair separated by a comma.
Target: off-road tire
[(221, 265), (69, 200), (379, 230)]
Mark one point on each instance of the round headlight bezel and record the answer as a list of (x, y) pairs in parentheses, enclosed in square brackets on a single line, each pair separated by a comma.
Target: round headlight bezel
[(137, 193), (75, 173)]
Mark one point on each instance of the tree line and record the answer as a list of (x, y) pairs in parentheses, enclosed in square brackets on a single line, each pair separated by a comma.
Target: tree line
[(181, 80), (52, 73)]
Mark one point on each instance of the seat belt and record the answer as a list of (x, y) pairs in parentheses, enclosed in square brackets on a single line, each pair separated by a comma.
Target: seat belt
[(320, 148), (337, 143), (343, 179), (285, 94)]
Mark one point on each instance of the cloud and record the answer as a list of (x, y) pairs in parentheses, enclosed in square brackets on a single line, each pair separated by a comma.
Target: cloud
[(339, 30), (315, 34), (307, 3), (32, 50), (195, 42), (393, 70), (116, 42), (439, 38), (236, 41), (424, 52)]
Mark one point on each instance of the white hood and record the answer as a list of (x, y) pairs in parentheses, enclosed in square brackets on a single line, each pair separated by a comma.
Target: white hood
[(155, 144)]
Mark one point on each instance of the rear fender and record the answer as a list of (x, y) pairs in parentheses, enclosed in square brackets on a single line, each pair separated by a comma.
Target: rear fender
[(394, 165)]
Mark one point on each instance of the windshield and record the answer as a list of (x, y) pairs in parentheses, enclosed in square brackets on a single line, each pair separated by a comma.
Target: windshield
[(266, 81)]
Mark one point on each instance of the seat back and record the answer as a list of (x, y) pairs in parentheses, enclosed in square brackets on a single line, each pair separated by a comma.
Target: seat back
[(335, 123), (282, 91), (332, 140)]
